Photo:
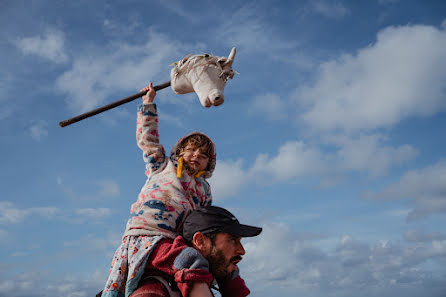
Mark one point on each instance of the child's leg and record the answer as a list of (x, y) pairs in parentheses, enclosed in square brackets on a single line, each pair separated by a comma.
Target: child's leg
[(200, 290)]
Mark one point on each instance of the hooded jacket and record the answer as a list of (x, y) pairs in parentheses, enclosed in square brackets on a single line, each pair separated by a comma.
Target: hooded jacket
[(169, 194)]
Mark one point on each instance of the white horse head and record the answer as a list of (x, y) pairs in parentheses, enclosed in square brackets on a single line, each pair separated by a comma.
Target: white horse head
[(205, 75)]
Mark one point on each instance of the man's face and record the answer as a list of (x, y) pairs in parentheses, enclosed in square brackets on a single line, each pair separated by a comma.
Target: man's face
[(225, 253)]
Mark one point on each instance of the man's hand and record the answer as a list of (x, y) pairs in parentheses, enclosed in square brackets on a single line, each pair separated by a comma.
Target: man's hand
[(150, 95)]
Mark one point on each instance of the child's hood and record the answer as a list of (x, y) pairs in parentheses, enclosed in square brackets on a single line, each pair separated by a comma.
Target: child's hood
[(212, 159)]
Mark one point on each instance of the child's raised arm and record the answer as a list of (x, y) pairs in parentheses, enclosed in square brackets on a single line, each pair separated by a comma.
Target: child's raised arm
[(147, 136)]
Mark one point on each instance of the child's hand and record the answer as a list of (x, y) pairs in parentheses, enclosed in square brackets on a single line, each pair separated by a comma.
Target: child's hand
[(150, 95)]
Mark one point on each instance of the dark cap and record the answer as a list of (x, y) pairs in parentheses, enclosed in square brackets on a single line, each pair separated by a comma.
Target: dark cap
[(212, 218)]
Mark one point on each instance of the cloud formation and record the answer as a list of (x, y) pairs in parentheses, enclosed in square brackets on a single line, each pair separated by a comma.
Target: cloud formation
[(344, 269), (425, 188), (367, 154), (10, 214), (38, 130), (228, 178), (294, 159), (330, 9), (401, 75), (50, 45), (98, 74), (42, 284)]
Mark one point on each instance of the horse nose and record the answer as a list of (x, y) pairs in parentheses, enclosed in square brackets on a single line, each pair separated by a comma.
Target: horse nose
[(216, 98)]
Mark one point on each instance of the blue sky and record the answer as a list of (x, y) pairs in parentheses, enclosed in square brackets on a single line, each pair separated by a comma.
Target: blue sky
[(331, 138)]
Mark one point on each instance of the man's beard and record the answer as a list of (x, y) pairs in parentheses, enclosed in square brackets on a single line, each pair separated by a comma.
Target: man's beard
[(218, 265)]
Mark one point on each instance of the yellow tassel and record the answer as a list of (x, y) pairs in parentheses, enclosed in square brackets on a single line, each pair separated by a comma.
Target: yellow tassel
[(180, 167), (200, 173)]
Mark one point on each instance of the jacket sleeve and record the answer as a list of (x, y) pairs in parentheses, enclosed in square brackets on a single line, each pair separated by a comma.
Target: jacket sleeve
[(147, 138), (185, 264)]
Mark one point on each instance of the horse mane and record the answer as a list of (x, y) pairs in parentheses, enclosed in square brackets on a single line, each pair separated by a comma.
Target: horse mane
[(192, 61)]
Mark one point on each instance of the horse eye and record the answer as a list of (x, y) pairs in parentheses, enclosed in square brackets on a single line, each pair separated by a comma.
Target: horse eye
[(206, 55), (222, 61)]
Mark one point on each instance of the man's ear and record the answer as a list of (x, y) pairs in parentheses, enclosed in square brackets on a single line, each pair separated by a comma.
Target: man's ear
[(201, 243)]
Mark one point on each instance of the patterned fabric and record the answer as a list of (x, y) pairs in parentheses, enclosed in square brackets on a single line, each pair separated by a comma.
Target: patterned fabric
[(127, 267), (165, 199), (163, 203)]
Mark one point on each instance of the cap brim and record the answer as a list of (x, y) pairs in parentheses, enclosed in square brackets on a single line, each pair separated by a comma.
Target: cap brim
[(242, 230)]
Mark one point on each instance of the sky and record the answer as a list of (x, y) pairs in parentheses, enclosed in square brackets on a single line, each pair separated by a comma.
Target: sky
[(331, 138)]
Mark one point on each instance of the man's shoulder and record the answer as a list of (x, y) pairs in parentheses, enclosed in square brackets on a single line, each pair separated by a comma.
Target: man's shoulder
[(151, 288), (169, 248)]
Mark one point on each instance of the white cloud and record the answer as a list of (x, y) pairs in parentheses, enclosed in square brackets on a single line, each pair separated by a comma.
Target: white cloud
[(28, 283), (294, 159), (13, 215), (6, 285), (38, 130), (50, 45), (10, 214), (227, 179), (330, 9), (297, 159), (426, 189), (92, 213), (97, 75), (418, 235), (280, 259), (46, 212), (368, 153), (402, 75)]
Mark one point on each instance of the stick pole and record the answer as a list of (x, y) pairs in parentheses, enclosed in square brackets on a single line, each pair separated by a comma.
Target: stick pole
[(110, 106)]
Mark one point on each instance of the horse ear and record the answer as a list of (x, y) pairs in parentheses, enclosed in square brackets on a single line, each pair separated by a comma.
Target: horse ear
[(232, 54), (231, 57)]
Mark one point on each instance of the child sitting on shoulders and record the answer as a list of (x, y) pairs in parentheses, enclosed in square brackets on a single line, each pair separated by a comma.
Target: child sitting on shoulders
[(175, 186)]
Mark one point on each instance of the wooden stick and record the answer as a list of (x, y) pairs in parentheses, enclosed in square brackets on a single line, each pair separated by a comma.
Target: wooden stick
[(110, 106)]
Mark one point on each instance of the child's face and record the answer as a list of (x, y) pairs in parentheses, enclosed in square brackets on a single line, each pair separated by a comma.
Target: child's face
[(195, 158)]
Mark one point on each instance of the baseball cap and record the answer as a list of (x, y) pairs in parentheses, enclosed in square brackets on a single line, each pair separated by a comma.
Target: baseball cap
[(213, 218)]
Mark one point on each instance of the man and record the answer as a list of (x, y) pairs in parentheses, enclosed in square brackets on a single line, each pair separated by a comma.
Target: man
[(207, 253)]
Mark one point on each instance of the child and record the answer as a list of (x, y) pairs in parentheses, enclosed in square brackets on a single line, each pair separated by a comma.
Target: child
[(175, 186)]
